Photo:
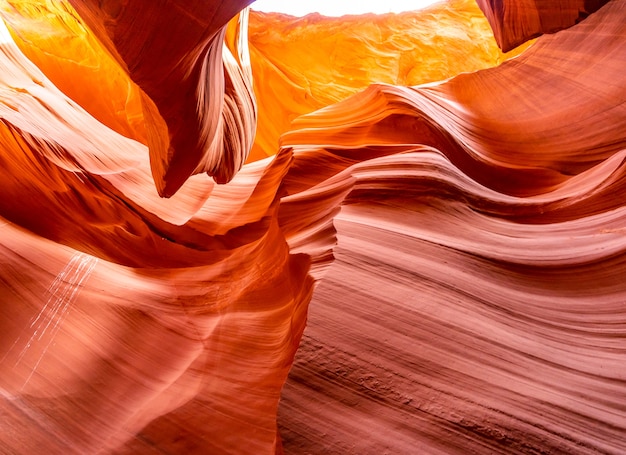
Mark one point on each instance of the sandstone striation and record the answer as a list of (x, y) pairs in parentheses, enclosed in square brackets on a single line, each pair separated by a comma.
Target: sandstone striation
[(474, 207)]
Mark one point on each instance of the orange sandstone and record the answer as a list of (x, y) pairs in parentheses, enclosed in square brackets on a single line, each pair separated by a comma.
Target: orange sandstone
[(476, 303)]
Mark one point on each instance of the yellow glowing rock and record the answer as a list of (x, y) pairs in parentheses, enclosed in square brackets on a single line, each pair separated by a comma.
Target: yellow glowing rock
[(303, 64), (171, 84)]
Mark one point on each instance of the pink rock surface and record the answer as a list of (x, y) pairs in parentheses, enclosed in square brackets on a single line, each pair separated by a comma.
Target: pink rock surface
[(475, 305)]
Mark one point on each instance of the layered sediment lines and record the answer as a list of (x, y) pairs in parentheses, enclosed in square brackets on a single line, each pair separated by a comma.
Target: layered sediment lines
[(475, 304)]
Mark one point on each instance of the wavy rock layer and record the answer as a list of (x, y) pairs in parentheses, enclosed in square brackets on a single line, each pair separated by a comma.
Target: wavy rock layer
[(121, 309), (303, 64), (476, 303)]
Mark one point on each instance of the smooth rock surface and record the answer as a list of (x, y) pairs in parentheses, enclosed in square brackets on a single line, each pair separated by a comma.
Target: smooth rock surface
[(476, 302)]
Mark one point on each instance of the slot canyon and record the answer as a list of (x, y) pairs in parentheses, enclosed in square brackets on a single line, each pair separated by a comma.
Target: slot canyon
[(224, 231)]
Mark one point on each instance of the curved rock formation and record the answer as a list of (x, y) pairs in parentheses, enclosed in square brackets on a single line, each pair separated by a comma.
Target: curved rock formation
[(476, 303), (119, 307), (514, 22), (170, 83), (303, 64)]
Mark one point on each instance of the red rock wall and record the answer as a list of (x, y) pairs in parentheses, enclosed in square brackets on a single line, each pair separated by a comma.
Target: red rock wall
[(476, 304), (514, 22)]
